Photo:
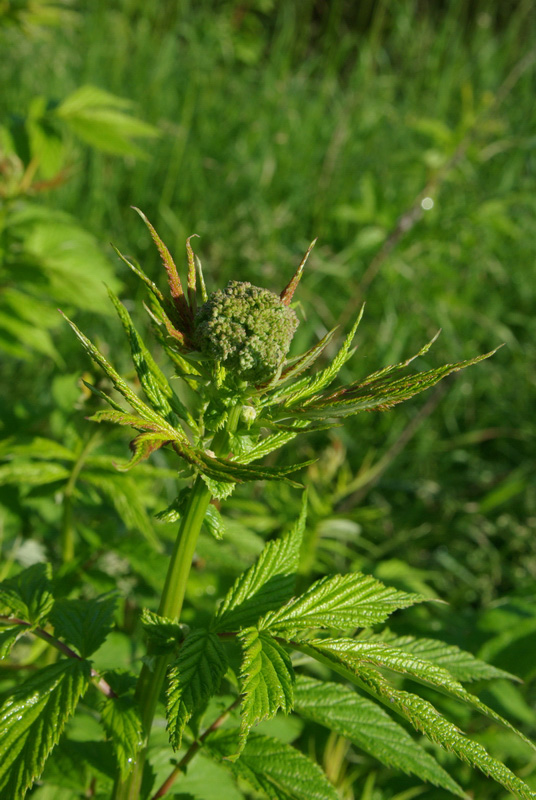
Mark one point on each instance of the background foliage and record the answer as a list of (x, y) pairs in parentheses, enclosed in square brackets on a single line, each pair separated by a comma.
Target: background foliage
[(258, 126)]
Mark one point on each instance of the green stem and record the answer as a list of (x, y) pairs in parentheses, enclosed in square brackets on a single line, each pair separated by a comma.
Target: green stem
[(152, 677), (67, 528)]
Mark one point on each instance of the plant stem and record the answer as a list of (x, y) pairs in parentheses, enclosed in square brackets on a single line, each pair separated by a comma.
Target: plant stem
[(67, 529), (152, 674), (192, 750)]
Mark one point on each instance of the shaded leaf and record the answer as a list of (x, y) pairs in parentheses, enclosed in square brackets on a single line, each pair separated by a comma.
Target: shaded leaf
[(84, 624), (369, 727), (29, 594), (9, 636), (121, 720), (272, 767), (193, 678), (164, 634)]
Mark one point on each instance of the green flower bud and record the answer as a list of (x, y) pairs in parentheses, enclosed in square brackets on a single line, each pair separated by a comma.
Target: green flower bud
[(247, 329)]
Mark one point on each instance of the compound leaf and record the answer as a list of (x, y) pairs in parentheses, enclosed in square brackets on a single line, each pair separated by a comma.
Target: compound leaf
[(424, 717), (462, 665), (357, 655), (369, 727)]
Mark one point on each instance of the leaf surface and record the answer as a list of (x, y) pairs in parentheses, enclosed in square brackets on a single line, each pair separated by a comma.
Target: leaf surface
[(266, 584), (369, 727), (272, 767), (32, 720), (29, 594), (120, 718), (339, 601), (266, 680), (193, 678), (85, 624)]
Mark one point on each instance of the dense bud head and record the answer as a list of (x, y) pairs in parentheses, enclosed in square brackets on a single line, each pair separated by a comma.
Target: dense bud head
[(247, 329)]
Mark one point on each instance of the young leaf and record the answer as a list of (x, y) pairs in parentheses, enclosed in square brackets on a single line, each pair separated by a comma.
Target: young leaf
[(164, 634), (8, 637), (29, 594), (193, 678), (308, 387), (424, 717), (369, 727), (214, 523), (378, 394), (154, 382), (272, 767), (266, 584), (84, 624), (266, 446), (138, 405), (298, 366), (32, 720), (339, 601), (120, 718), (266, 680)]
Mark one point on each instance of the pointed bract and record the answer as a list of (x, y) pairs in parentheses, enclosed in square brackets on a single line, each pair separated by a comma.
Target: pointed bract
[(288, 292)]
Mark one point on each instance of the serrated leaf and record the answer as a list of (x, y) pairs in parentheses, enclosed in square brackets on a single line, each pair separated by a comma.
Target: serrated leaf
[(298, 366), (221, 470), (32, 473), (339, 601), (138, 405), (266, 446), (193, 678), (358, 654), (124, 494), (8, 637), (142, 446), (266, 584), (214, 523), (378, 393), (221, 490), (425, 718), (266, 681), (163, 633), (368, 726), (461, 664), (29, 594), (84, 624), (272, 767), (39, 447), (121, 720), (310, 386), (32, 720), (154, 382)]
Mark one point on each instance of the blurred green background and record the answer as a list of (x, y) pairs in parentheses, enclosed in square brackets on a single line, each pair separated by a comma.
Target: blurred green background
[(403, 136)]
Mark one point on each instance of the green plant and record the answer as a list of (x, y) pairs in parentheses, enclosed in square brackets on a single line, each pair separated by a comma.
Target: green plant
[(269, 646)]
